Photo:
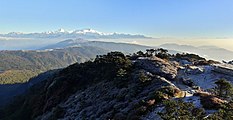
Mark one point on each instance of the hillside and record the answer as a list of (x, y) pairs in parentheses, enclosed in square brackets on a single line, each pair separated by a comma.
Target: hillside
[(16, 76), (115, 86), (26, 64), (17, 67), (43, 60), (110, 46), (9, 91)]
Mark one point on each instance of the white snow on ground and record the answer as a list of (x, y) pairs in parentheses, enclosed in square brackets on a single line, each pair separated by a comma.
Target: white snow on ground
[(224, 65), (206, 79), (202, 76), (197, 103)]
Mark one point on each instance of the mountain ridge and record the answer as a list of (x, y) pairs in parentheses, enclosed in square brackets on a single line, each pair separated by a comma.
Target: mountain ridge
[(110, 46), (115, 86), (83, 33)]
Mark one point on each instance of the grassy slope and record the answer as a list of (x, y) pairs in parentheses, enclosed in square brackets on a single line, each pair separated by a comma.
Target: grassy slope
[(17, 76)]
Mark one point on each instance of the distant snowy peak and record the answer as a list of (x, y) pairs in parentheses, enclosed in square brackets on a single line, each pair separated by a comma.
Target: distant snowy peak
[(88, 31), (15, 33), (83, 33), (61, 30)]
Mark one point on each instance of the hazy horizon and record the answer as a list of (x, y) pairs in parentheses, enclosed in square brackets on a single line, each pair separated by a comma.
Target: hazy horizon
[(225, 43)]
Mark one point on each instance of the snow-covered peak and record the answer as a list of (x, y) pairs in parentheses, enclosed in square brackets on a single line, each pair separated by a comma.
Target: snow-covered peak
[(59, 31), (82, 31), (15, 33), (62, 33), (90, 31), (48, 32)]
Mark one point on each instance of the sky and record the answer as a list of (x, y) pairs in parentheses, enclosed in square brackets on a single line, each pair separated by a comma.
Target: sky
[(155, 18)]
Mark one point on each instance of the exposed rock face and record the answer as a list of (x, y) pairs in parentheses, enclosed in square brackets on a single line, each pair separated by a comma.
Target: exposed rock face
[(158, 66)]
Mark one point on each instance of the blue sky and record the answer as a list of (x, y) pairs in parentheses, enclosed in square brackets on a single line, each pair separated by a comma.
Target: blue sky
[(157, 18)]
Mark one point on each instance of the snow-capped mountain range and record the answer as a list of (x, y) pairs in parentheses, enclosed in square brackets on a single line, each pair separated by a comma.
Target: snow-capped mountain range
[(62, 33)]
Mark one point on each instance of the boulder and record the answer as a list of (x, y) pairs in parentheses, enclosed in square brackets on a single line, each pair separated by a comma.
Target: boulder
[(194, 70)]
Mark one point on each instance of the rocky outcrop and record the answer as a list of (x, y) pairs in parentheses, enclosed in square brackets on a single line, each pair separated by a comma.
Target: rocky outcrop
[(158, 66)]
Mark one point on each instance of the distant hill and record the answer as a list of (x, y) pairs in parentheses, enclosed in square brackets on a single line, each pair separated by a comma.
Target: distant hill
[(26, 64), (209, 52), (46, 59), (109, 46)]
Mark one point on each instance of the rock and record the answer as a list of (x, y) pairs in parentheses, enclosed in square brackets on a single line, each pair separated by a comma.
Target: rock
[(185, 62), (202, 62), (194, 70), (188, 82), (151, 102)]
